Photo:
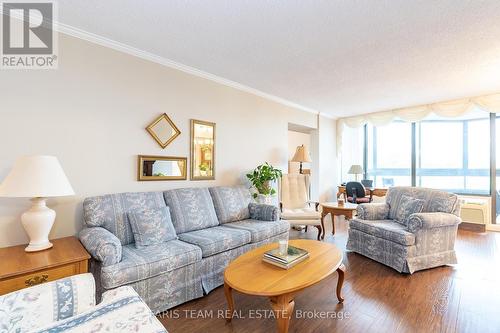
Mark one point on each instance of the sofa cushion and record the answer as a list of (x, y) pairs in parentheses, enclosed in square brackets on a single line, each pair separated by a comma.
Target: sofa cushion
[(231, 202), (435, 200), (385, 229), (152, 226), (191, 209), (261, 230), (216, 239), (153, 260), (110, 211), (408, 206)]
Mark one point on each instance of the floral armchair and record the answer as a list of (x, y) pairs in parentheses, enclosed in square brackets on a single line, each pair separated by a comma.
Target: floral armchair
[(423, 239)]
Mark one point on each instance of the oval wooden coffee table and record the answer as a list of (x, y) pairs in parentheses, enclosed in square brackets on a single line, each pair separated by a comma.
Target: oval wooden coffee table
[(250, 275)]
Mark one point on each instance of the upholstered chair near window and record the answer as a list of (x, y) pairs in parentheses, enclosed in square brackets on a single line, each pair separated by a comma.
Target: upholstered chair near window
[(414, 229), (295, 205)]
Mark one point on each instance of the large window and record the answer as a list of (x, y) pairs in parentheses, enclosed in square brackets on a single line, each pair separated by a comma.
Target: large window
[(452, 155), (389, 160)]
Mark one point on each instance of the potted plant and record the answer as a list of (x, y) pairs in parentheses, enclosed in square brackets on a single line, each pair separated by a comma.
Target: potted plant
[(203, 169), (261, 179)]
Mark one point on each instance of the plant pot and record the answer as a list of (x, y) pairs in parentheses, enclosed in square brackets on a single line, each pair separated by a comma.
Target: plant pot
[(264, 199)]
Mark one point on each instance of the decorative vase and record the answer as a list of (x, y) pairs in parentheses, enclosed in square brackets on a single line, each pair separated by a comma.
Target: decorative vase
[(264, 199)]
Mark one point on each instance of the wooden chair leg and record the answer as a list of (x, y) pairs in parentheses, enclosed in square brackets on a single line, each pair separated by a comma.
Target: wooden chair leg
[(320, 231), (306, 228)]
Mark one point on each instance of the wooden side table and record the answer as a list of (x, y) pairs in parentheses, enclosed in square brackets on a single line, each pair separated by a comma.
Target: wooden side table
[(20, 269), (334, 209)]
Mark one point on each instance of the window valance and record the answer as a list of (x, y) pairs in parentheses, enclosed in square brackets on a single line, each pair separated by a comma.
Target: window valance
[(454, 108)]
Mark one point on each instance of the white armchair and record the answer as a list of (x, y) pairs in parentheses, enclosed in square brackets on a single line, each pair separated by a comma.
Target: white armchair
[(295, 205)]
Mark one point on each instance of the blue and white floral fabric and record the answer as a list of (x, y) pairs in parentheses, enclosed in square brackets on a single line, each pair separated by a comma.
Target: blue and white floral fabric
[(172, 272), (373, 211), (138, 264), (264, 212), (152, 226), (407, 206), (261, 230), (30, 308), (191, 209), (110, 211), (231, 202), (425, 240), (216, 239), (102, 245), (122, 310)]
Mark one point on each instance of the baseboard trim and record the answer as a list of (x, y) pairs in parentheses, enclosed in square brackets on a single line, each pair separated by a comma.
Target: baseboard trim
[(472, 227)]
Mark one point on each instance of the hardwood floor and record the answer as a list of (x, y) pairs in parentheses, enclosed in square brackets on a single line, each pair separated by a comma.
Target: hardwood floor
[(464, 298)]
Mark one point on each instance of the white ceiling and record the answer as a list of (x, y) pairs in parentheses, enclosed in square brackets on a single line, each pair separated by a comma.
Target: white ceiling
[(336, 57)]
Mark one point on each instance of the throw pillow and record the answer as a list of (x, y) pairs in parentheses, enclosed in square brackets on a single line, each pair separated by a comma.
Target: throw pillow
[(151, 226), (408, 206)]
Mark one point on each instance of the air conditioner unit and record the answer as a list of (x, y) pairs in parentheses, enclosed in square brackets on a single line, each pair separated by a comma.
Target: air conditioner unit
[(474, 212)]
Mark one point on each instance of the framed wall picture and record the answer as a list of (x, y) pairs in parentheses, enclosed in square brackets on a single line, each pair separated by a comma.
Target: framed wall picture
[(163, 130), (161, 168), (202, 150)]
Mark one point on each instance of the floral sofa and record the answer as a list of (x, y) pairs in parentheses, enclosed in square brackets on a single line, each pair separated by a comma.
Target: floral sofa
[(424, 239), (213, 226), (68, 305)]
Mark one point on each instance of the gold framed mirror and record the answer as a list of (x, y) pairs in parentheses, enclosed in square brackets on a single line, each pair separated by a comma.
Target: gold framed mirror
[(161, 168), (163, 130), (202, 150)]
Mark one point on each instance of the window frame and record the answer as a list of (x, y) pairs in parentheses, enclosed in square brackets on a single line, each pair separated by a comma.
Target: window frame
[(464, 171)]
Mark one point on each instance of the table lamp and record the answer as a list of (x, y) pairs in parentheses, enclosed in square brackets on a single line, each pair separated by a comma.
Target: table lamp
[(301, 155), (356, 170), (37, 177)]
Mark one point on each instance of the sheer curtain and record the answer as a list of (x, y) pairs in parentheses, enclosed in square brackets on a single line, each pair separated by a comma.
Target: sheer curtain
[(449, 109)]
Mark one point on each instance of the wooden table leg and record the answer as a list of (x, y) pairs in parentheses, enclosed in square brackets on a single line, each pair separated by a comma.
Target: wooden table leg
[(340, 282), (228, 291), (333, 224), (324, 213), (320, 231), (283, 310)]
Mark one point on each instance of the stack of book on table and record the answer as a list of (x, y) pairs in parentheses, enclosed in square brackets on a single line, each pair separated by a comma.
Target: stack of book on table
[(294, 256)]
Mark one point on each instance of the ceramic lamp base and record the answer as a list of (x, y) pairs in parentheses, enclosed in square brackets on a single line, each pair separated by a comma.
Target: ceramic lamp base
[(37, 223), (38, 247)]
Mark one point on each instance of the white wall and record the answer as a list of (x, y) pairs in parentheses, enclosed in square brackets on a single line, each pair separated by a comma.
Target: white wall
[(327, 160), (91, 114)]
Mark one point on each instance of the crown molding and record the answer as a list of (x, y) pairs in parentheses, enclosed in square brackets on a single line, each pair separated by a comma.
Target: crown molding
[(118, 46), (122, 47)]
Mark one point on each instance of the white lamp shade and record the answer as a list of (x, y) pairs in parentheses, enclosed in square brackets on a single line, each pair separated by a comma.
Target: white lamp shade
[(36, 176), (301, 154), (355, 169)]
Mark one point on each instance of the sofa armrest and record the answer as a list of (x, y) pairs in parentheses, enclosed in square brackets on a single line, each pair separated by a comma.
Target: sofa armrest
[(28, 309), (373, 211), (102, 245), (419, 221), (264, 212)]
